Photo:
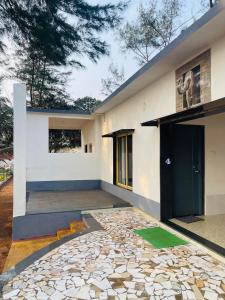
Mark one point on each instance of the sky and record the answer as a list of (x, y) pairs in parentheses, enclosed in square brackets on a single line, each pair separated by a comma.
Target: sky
[(87, 82)]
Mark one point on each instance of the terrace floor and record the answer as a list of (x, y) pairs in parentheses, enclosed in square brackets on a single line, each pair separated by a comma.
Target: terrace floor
[(114, 263), (60, 201)]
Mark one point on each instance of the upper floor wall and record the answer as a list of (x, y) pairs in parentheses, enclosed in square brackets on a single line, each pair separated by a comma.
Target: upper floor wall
[(160, 98), (41, 165), (218, 69)]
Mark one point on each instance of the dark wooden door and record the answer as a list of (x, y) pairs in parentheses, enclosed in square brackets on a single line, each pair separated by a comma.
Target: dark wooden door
[(187, 170)]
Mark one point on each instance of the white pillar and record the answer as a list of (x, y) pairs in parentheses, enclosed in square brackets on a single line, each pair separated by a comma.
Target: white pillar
[(19, 136)]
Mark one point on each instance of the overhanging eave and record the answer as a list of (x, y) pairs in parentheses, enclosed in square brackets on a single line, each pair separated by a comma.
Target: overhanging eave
[(118, 132), (201, 111)]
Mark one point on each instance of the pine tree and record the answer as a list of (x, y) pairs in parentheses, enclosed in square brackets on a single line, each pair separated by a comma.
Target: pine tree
[(85, 104), (60, 30), (46, 84), (6, 127)]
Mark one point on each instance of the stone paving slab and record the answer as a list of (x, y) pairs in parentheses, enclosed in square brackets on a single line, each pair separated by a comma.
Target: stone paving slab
[(114, 263)]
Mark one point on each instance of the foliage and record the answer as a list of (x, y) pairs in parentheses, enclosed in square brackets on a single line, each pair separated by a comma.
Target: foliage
[(115, 79), (6, 128), (60, 30), (153, 29), (5, 174), (85, 104), (59, 139), (46, 84)]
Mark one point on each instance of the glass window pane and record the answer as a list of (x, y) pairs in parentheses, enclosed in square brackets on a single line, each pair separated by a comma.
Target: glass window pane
[(122, 160), (129, 150)]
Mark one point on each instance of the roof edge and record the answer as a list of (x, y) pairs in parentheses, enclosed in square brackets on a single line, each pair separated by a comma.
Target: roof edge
[(203, 20), (56, 111)]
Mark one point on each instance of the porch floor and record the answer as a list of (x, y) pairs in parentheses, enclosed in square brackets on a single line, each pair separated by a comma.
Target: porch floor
[(211, 228), (60, 201)]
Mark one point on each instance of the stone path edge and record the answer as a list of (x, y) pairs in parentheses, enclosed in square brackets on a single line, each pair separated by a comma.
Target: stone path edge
[(91, 224)]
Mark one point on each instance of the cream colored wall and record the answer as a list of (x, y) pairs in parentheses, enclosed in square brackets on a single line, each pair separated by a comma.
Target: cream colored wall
[(215, 166), (44, 166), (88, 136), (19, 149), (214, 163), (218, 69), (154, 101)]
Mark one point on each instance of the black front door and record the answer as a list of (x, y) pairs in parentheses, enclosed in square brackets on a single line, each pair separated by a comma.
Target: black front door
[(187, 168)]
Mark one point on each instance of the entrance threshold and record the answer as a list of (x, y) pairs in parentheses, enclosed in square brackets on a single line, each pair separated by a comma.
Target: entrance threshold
[(191, 153), (209, 244)]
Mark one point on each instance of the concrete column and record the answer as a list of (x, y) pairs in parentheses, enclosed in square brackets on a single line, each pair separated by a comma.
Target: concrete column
[(19, 135), (97, 143)]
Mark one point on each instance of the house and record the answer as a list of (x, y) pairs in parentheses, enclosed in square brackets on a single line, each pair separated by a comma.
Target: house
[(157, 142)]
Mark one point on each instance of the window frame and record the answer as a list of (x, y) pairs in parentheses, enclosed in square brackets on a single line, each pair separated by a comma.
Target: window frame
[(125, 186)]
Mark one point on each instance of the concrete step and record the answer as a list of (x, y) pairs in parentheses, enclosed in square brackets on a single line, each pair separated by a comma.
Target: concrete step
[(64, 232), (75, 226)]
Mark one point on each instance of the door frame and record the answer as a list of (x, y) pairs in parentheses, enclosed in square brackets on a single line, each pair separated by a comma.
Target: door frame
[(166, 178)]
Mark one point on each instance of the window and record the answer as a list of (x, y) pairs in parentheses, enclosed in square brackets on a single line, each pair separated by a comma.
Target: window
[(124, 172), (64, 140)]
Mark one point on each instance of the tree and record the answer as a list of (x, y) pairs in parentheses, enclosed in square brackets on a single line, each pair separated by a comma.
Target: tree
[(60, 30), (115, 79), (46, 84), (153, 29), (61, 138), (85, 104), (6, 128)]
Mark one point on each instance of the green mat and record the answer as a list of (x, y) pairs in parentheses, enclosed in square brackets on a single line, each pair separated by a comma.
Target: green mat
[(159, 237)]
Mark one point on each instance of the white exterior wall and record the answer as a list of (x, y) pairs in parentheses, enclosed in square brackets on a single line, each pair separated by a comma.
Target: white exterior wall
[(156, 100), (215, 166), (218, 69), (19, 139), (152, 102), (214, 163), (88, 134), (44, 166)]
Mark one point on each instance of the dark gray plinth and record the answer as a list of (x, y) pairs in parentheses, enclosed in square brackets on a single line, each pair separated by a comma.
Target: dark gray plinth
[(37, 225)]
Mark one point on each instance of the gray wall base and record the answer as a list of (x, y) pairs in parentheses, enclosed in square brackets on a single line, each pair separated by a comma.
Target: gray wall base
[(63, 185), (37, 225), (150, 206)]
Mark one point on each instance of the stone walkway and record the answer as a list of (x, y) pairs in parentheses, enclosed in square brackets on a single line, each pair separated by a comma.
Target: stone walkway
[(116, 264)]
